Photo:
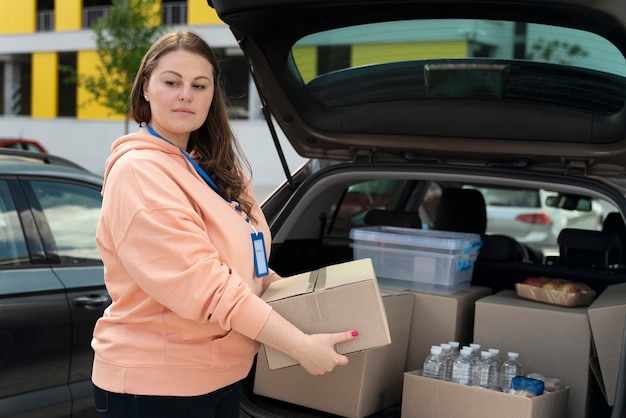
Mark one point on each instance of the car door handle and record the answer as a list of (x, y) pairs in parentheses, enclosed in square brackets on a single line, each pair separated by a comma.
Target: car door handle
[(91, 302)]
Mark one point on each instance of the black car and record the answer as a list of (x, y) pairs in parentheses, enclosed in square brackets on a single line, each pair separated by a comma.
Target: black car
[(408, 109), (51, 285)]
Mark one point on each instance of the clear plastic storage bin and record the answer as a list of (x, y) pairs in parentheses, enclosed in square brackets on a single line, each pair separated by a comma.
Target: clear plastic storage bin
[(422, 260)]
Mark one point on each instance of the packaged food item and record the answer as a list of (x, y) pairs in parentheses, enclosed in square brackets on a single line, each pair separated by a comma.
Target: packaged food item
[(550, 384), (527, 386), (555, 291)]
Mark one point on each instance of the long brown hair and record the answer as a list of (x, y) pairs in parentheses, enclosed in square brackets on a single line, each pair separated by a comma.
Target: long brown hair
[(217, 149)]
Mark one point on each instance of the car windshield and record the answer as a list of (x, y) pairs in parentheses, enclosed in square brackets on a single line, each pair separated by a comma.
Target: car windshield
[(462, 58)]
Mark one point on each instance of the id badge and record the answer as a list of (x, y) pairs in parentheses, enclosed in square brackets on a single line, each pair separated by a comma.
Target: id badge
[(260, 257)]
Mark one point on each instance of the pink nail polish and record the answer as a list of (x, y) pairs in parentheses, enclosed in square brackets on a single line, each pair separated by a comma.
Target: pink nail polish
[(355, 333)]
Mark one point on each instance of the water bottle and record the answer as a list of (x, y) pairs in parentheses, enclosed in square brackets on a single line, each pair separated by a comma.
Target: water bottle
[(446, 360), (481, 370), (462, 367), (496, 370), (510, 368), (433, 366), (456, 349), (475, 351)]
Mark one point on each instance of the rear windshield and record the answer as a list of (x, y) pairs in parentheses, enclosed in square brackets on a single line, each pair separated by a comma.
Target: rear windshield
[(457, 58)]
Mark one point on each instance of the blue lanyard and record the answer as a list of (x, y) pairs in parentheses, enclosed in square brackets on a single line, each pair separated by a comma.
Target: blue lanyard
[(193, 162), (200, 171), (258, 244)]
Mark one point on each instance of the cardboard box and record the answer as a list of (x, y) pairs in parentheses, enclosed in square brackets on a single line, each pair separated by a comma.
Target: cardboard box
[(370, 382), (340, 297), (439, 319), (606, 317), (423, 397), (552, 340)]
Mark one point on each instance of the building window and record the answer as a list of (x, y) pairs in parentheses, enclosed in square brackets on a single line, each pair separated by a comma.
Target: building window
[(174, 12), (67, 85), (3, 110), (45, 21), (94, 10), (45, 15), (16, 85)]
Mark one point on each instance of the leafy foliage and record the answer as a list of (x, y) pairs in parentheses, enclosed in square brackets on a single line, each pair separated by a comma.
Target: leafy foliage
[(555, 51), (122, 35)]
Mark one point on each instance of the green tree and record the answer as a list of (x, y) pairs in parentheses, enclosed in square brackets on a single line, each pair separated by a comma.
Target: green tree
[(123, 35), (558, 52)]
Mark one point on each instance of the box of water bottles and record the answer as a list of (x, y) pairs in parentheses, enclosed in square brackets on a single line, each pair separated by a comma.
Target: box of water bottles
[(479, 383), (424, 397), (421, 260)]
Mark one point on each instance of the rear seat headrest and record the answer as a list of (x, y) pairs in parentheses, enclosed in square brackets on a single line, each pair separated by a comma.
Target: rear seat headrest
[(580, 247), (614, 222), (461, 210), (501, 248), (587, 240)]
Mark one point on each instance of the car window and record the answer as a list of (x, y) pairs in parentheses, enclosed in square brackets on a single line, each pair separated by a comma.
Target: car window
[(71, 212), (511, 197), (536, 217), (459, 58), (350, 208), (12, 242), (524, 214)]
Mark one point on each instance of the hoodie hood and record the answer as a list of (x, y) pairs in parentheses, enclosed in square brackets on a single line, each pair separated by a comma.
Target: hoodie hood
[(135, 142)]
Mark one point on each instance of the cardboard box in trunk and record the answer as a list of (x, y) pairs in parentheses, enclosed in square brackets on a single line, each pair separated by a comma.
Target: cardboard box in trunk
[(370, 382), (340, 297), (423, 397), (552, 340), (606, 317), (439, 319)]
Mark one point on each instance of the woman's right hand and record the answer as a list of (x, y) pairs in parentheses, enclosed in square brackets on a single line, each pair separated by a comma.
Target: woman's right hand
[(315, 352), (318, 355)]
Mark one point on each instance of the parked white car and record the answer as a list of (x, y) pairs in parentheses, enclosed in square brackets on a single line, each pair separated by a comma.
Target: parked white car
[(537, 216)]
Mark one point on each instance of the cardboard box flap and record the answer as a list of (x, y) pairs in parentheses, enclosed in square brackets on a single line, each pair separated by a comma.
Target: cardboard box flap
[(298, 284), (316, 280), (345, 273), (607, 315)]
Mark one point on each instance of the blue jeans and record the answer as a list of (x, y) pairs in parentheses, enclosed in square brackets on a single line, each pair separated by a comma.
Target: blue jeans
[(223, 403)]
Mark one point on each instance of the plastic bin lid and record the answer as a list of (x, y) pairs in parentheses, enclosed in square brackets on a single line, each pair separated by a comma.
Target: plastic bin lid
[(417, 237)]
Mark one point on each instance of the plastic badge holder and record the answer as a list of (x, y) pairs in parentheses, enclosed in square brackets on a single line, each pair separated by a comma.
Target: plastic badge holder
[(421, 260)]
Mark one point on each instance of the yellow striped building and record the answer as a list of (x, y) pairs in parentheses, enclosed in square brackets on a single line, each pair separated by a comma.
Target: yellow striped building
[(37, 36)]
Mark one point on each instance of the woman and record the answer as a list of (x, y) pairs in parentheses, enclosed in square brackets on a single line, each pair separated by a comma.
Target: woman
[(176, 237)]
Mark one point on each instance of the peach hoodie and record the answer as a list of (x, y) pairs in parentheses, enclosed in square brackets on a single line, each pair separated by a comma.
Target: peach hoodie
[(178, 265)]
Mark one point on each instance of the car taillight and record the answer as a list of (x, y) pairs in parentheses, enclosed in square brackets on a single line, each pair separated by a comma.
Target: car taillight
[(534, 218)]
